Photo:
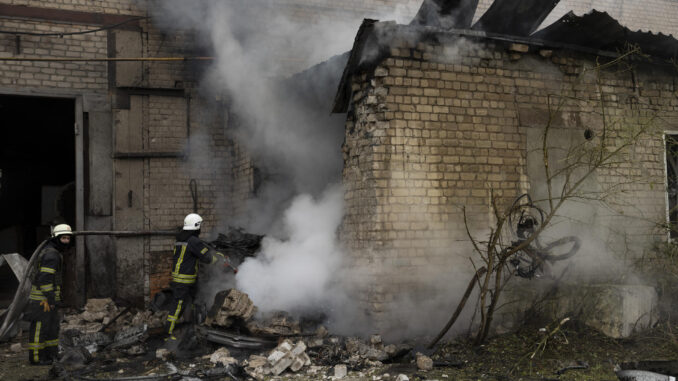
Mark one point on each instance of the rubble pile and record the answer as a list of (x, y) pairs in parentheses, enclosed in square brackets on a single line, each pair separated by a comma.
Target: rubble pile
[(279, 323), (229, 306), (286, 356), (103, 313), (355, 352), (233, 338)]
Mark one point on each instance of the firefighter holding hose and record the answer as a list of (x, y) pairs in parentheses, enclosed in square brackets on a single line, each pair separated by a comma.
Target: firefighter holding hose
[(45, 298), (189, 251)]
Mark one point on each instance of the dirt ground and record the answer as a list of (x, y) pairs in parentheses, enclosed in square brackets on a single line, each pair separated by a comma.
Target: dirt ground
[(524, 355)]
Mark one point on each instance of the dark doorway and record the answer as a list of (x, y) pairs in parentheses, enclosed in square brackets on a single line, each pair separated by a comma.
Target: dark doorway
[(672, 182), (37, 174)]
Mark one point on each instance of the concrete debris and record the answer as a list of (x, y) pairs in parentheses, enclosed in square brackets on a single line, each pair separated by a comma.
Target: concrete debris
[(288, 355), (402, 377), (76, 338), (104, 305), (230, 305), (424, 362), (370, 352), (277, 324), (321, 332), (340, 371), (222, 356), (256, 361), (135, 350), (257, 367), (99, 313), (163, 354), (78, 355), (16, 347), (315, 343), (129, 336)]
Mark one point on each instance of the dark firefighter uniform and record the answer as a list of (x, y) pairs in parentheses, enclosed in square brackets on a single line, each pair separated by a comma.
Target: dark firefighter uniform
[(188, 254), (43, 338)]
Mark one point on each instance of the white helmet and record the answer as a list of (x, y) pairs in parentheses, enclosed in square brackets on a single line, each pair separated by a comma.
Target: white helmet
[(61, 229), (192, 222)]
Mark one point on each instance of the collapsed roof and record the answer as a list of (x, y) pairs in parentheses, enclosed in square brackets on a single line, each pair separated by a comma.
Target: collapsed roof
[(506, 20)]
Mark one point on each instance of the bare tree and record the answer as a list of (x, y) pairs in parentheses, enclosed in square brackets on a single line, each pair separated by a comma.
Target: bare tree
[(516, 229)]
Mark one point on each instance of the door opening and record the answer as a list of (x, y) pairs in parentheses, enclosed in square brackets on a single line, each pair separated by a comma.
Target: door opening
[(37, 175)]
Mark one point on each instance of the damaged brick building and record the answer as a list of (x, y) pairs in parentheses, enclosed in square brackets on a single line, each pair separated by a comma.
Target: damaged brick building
[(101, 143), (432, 124), (441, 119)]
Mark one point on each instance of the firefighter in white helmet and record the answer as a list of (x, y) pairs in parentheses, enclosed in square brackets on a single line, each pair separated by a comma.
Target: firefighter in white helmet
[(43, 338), (189, 250)]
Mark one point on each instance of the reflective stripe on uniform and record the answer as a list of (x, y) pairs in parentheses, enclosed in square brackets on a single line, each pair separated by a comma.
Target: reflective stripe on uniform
[(47, 270), (173, 318), (47, 287), (51, 343), (204, 250), (36, 294), (184, 281), (36, 342), (181, 259)]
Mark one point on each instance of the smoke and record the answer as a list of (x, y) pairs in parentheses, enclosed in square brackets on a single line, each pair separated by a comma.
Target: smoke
[(297, 273), (305, 271), (286, 129)]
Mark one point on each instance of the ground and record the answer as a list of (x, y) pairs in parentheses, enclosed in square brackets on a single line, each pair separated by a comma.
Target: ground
[(515, 356)]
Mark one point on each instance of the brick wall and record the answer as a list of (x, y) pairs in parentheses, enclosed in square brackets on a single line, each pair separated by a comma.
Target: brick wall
[(431, 132), (124, 7), (70, 76), (168, 180)]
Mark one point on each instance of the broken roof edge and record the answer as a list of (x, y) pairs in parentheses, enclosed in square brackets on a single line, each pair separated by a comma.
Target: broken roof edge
[(367, 36)]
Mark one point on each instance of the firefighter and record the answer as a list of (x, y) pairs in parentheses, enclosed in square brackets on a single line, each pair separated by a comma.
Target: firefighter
[(43, 338), (189, 250)]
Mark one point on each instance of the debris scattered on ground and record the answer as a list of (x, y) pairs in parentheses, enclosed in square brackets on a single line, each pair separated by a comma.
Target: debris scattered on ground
[(340, 371), (228, 306), (222, 356), (288, 355), (163, 354), (100, 314), (424, 362), (275, 324)]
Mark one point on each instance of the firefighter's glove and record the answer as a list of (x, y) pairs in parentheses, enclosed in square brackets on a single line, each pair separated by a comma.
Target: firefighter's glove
[(45, 306), (227, 262)]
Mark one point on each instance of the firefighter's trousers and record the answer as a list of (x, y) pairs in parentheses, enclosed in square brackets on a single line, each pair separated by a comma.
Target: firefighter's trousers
[(182, 300), (43, 338)]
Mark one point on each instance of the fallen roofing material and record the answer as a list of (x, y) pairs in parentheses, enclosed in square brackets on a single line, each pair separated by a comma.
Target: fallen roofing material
[(515, 17), (233, 340), (599, 31), (446, 14)]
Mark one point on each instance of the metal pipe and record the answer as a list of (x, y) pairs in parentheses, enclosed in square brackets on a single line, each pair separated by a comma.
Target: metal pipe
[(123, 233)]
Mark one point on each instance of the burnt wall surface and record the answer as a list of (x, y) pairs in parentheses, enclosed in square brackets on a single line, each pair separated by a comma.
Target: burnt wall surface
[(137, 120), (438, 127)]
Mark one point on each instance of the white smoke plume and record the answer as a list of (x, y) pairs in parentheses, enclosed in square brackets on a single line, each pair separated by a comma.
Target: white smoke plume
[(297, 147), (302, 272)]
